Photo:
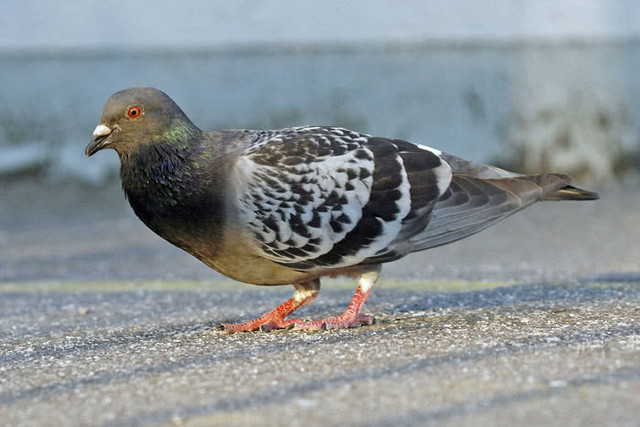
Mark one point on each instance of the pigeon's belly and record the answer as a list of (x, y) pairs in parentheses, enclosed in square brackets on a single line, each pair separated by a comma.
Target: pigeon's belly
[(236, 258)]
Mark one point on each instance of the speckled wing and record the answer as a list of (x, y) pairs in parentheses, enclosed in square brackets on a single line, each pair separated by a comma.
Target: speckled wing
[(319, 197)]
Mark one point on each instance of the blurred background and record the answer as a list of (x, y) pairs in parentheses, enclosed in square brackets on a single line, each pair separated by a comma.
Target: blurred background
[(533, 86), (541, 85)]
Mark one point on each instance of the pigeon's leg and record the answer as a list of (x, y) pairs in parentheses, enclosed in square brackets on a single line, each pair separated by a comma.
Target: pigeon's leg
[(351, 317), (305, 294)]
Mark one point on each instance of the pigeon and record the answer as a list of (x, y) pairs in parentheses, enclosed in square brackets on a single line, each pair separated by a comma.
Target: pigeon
[(291, 206)]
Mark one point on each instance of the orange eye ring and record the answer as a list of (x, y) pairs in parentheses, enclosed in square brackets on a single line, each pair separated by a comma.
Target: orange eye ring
[(134, 112)]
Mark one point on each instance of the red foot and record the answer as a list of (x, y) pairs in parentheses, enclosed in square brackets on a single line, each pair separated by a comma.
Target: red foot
[(305, 294), (338, 322), (263, 324), (349, 319), (269, 321)]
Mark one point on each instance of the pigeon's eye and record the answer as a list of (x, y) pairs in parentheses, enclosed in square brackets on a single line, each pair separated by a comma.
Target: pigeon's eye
[(134, 112)]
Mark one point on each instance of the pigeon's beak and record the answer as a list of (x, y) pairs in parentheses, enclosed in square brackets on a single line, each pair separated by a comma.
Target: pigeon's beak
[(100, 139)]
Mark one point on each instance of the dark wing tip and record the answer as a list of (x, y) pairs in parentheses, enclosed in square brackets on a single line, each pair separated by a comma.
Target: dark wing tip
[(572, 193)]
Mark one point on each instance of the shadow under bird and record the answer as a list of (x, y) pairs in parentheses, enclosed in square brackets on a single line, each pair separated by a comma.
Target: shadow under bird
[(290, 206)]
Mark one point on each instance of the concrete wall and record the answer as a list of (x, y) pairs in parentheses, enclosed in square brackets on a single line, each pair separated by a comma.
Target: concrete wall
[(37, 24), (539, 84)]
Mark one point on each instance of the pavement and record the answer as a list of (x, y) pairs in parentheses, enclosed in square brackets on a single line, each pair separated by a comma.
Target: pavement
[(535, 321)]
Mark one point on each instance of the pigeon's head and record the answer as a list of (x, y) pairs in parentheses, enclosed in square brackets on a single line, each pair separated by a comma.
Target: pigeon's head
[(137, 116)]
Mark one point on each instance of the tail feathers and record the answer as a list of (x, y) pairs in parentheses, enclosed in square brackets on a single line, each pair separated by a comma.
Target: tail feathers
[(472, 204), (554, 186)]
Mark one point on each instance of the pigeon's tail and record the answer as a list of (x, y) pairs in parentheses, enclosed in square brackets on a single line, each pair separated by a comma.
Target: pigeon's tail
[(554, 186), (472, 204)]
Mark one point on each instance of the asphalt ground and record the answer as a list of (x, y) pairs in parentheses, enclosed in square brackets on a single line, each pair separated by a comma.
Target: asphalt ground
[(536, 321)]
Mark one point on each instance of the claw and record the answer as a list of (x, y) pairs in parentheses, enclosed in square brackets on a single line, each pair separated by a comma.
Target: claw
[(265, 328)]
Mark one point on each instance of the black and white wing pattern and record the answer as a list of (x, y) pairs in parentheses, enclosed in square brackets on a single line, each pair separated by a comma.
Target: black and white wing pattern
[(317, 197)]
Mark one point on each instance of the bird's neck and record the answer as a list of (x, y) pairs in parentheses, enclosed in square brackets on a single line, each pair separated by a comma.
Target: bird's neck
[(160, 171), (175, 189)]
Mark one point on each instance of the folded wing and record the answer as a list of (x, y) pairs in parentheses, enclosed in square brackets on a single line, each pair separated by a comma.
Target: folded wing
[(327, 197)]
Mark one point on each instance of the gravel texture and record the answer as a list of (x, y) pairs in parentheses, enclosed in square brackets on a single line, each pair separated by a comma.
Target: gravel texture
[(534, 321)]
